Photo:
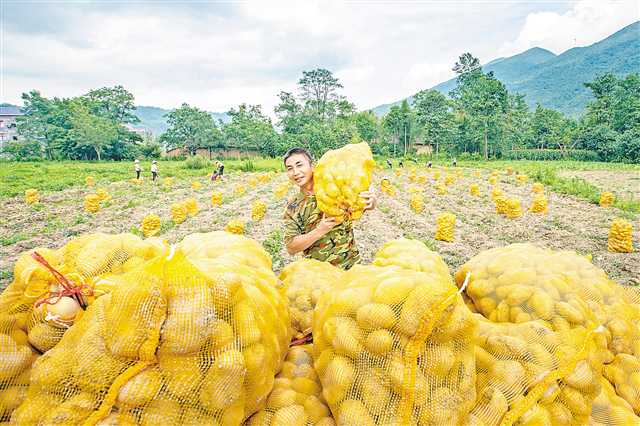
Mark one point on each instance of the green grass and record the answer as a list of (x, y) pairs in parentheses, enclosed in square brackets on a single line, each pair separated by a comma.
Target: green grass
[(12, 239), (50, 176), (273, 245)]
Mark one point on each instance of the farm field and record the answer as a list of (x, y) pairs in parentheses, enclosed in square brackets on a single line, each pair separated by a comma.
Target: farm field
[(573, 222)]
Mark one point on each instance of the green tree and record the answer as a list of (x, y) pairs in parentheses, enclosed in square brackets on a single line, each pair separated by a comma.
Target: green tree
[(91, 130), (434, 114), (318, 91), (367, 125), (190, 128), (249, 129), (115, 103), (517, 123)]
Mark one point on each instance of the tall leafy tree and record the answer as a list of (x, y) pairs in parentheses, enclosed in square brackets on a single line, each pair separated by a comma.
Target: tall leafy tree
[(90, 130), (190, 128), (250, 129), (434, 114), (319, 91), (115, 103)]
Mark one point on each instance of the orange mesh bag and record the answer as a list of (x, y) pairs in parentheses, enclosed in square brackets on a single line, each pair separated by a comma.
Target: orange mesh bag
[(417, 203), (31, 196), (92, 203), (296, 398), (394, 345), (304, 281), (606, 199), (195, 338), (216, 198), (529, 374), (178, 212), (620, 237), (540, 204)]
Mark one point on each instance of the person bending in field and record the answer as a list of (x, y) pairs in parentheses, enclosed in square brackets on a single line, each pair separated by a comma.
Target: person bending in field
[(219, 171), (154, 170), (307, 229)]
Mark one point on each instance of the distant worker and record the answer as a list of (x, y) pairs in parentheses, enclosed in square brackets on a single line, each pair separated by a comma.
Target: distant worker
[(400, 164), (137, 168), (429, 165), (154, 170), (389, 164), (219, 171), (455, 163)]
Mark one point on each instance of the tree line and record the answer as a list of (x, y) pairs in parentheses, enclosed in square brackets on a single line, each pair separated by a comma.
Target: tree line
[(479, 119)]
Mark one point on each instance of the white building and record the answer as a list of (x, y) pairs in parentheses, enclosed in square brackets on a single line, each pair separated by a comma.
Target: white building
[(8, 127)]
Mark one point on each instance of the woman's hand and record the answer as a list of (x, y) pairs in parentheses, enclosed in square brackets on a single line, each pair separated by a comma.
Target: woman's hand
[(370, 199)]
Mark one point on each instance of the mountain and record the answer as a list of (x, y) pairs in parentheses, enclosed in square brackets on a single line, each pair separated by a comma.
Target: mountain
[(153, 118), (556, 81)]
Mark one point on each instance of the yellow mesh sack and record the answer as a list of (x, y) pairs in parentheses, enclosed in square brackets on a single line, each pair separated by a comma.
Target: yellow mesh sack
[(235, 226), (31, 196), (413, 176), (529, 374), (496, 192), (296, 398), (239, 189), (624, 374), (387, 188), (264, 177), (422, 179), (178, 212), (441, 189), (410, 254), (252, 182), (474, 189), (196, 338), (493, 180), (150, 225), (540, 204), (280, 191), (449, 179), (606, 199), (395, 345), (304, 281), (30, 280), (476, 173), (501, 204), (537, 188), (102, 194), (137, 181), (168, 182), (258, 209), (216, 198), (445, 225), (196, 185), (620, 236), (340, 176), (509, 170), (522, 178), (92, 203), (192, 206), (609, 409), (89, 181), (417, 203), (397, 172), (513, 210)]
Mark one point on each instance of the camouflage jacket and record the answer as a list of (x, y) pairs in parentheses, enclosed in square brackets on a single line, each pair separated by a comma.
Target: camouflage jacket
[(337, 247)]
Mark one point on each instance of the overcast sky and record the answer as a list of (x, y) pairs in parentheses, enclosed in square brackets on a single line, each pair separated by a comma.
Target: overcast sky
[(218, 54)]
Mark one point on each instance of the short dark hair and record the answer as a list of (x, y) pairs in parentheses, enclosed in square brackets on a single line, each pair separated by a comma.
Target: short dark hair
[(297, 150)]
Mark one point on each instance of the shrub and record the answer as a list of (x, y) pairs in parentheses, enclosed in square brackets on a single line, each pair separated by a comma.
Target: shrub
[(551, 155), (197, 162)]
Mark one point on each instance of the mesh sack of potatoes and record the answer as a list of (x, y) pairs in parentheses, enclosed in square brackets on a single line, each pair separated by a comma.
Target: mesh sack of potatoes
[(608, 409), (92, 203), (191, 204), (216, 198), (92, 264), (150, 225), (31, 196), (280, 191), (296, 399), (196, 338), (304, 281), (178, 212), (540, 204), (340, 176), (417, 203), (620, 237), (514, 209), (258, 210), (474, 190), (445, 225), (528, 374), (394, 345), (387, 188), (31, 279), (606, 199)]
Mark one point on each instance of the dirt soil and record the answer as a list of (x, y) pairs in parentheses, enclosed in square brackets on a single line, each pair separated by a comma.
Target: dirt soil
[(570, 223)]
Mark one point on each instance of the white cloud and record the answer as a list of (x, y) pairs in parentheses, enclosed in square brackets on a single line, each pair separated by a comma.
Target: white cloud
[(587, 22), (216, 56)]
